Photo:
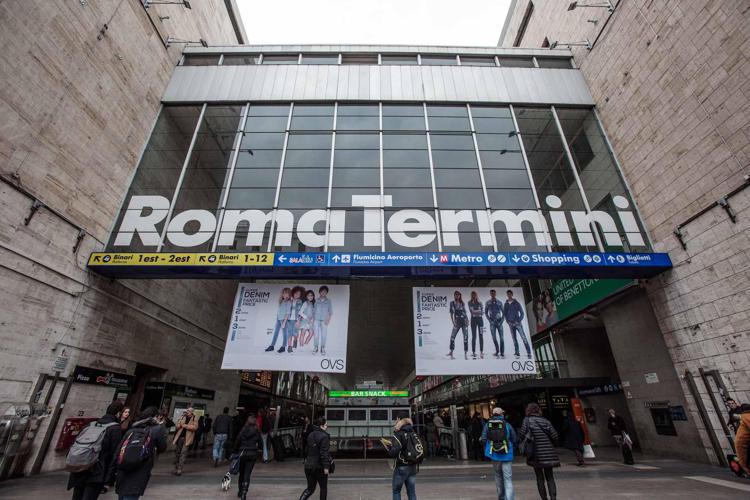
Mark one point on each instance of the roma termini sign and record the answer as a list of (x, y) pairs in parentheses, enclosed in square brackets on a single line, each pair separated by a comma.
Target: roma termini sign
[(408, 228)]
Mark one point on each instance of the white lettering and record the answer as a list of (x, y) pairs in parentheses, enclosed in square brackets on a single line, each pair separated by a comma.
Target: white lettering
[(135, 221), (399, 224), (306, 228), (206, 226), (514, 225)]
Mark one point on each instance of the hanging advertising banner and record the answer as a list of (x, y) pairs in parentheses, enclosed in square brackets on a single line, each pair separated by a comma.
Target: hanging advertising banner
[(288, 327), (471, 331)]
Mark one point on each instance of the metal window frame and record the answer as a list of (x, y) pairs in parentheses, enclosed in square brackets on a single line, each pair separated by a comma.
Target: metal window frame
[(181, 178), (531, 178), (380, 166), (230, 174), (330, 173), (272, 231), (594, 228), (481, 179), (438, 228)]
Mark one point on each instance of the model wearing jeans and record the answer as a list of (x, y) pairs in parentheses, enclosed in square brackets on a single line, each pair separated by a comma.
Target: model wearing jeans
[(514, 315), (282, 318), (493, 310), (307, 319), (477, 323), (459, 320), (292, 326), (323, 314)]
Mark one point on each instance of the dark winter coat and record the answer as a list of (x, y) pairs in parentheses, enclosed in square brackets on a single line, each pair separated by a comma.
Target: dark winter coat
[(544, 437), (573, 434), (223, 425), (101, 472), (616, 425), (134, 482), (318, 449), (477, 426), (247, 441)]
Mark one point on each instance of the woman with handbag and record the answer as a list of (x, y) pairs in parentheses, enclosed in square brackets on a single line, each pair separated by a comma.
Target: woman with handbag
[(537, 443), (318, 462), (246, 449)]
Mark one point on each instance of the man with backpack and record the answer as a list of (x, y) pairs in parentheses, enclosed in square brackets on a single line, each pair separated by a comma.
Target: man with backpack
[(137, 452), (90, 458), (408, 452), (499, 438)]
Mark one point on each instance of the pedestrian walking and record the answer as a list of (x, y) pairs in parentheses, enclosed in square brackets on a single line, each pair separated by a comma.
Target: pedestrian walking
[(543, 457), (222, 429), (246, 448), (318, 461), (137, 453), (265, 428), (573, 440), (408, 452), (499, 440), (125, 419), (198, 438), (207, 426), (742, 439), (476, 427), (87, 484), (618, 429), (183, 438)]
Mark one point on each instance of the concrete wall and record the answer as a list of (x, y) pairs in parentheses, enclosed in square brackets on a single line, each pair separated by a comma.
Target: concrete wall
[(638, 350), (669, 79), (78, 104)]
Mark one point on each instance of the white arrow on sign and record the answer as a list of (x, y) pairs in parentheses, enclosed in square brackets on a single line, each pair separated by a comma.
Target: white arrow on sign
[(335, 258), (433, 258), (515, 258), (282, 258), (610, 258)]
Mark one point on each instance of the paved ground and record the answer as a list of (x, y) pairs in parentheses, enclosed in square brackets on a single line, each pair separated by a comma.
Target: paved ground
[(605, 477)]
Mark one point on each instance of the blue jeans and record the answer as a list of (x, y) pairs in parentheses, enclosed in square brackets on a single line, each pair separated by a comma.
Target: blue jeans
[(264, 438), (405, 474), (496, 330), (321, 332), (504, 480), (517, 328), (218, 451), (276, 333)]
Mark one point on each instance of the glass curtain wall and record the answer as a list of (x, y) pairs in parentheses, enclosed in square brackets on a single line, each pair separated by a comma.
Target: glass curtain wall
[(372, 176)]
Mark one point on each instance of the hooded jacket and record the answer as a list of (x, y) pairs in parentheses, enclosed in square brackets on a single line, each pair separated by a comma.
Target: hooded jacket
[(395, 450), (510, 433)]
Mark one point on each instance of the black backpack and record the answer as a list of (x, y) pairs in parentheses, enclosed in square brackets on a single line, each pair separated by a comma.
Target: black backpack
[(412, 449), (135, 449), (497, 435)]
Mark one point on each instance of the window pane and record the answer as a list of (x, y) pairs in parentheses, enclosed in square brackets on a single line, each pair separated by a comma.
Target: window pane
[(501, 159), (460, 199), (269, 110), (490, 111), (399, 59), (257, 177), (303, 197), (356, 177), (477, 60), (357, 110), (454, 159), (562, 63), (516, 62), (262, 158), (280, 59), (251, 198), (497, 178), (300, 158), (404, 141), (511, 199), (428, 60), (309, 141), (357, 123), (266, 124), (407, 177), (359, 59), (240, 59), (410, 197), (312, 123), (320, 58), (305, 178), (405, 158), (357, 141), (463, 178), (450, 141), (262, 141), (403, 110), (201, 60), (497, 142), (357, 158), (495, 125), (313, 110)]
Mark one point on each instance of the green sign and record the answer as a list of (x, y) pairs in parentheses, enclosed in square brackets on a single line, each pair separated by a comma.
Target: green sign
[(368, 394), (572, 296)]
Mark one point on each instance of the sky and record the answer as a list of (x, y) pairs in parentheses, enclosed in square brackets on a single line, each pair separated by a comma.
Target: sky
[(375, 22)]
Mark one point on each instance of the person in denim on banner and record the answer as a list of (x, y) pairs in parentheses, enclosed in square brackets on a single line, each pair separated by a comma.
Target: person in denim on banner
[(513, 311), (493, 310)]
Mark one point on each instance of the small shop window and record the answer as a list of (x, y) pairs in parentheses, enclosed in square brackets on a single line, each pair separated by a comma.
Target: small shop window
[(663, 421)]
